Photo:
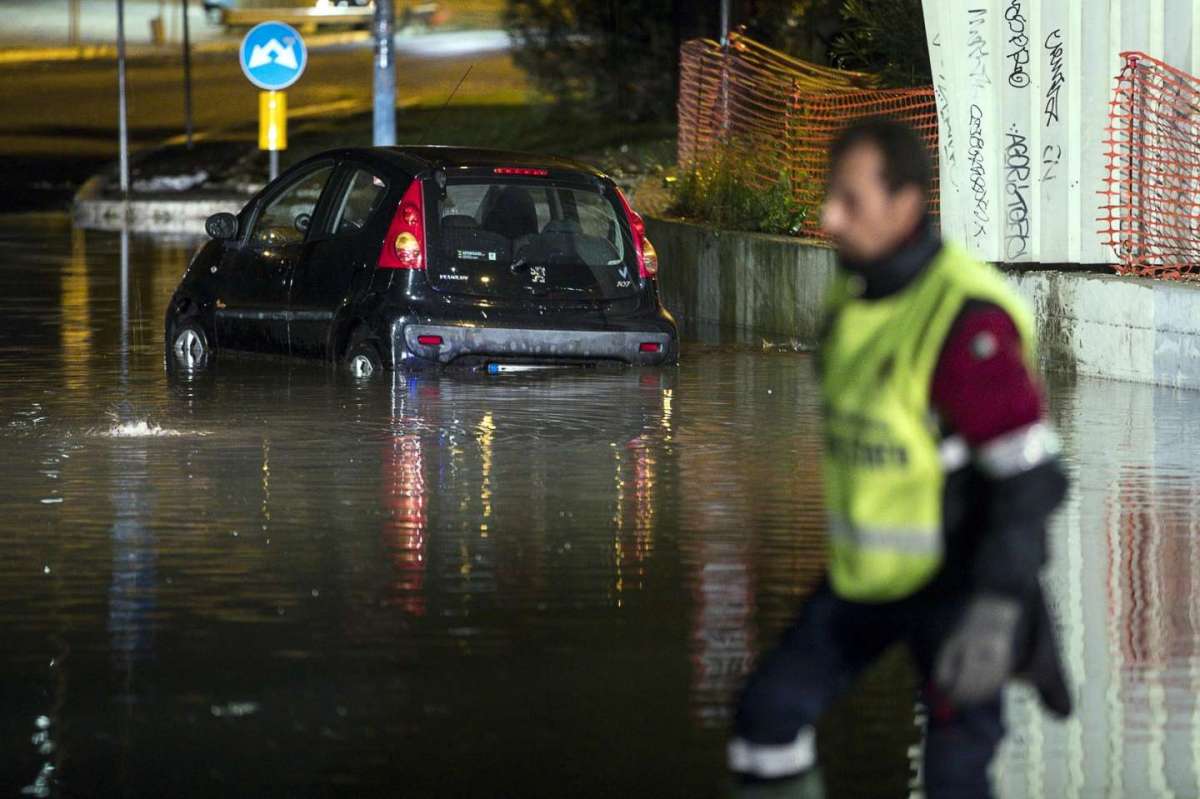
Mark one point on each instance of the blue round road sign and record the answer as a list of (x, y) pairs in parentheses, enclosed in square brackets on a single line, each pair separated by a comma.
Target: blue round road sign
[(273, 56)]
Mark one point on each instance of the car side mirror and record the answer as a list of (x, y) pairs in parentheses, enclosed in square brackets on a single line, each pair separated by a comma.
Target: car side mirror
[(221, 226), (303, 222)]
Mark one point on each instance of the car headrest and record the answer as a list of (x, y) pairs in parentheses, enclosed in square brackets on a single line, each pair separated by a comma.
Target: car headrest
[(459, 221), (513, 214), (569, 227)]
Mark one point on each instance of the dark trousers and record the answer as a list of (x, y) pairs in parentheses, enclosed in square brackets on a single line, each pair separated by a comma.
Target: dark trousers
[(831, 643)]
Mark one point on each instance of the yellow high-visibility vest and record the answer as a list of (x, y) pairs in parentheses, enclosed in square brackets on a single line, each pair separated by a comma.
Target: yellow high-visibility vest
[(884, 476)]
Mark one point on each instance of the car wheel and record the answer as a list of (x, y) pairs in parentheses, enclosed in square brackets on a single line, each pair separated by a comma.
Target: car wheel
[(189, 347), (363, 361)]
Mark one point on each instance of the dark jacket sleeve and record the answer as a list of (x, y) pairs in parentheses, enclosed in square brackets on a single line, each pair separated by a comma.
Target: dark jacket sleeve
[(984, 392)]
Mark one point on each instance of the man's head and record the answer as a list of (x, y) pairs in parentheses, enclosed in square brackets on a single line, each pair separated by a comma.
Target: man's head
[(879, 176)]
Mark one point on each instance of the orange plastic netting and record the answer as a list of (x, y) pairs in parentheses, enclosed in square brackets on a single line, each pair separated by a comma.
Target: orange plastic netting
[(1151, 208), (787, 110)]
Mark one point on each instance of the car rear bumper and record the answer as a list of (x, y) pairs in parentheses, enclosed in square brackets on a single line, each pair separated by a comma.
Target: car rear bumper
[(534, 344)]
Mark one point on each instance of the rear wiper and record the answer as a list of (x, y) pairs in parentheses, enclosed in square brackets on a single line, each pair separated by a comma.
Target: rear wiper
[(524, 263)]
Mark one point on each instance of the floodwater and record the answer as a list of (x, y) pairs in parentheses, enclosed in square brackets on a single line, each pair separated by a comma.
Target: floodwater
[(271, 581)]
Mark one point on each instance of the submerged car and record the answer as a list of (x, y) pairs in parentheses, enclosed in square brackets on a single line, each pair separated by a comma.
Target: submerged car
[(407, 257)]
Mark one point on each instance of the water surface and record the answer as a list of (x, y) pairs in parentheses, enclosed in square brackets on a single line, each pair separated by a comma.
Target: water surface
[(270, 580)]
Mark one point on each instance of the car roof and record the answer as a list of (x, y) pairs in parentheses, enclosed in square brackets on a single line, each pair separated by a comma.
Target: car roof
[(418, 158)]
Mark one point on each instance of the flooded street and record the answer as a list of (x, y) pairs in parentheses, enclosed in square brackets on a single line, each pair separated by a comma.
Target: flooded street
[(269, 580)]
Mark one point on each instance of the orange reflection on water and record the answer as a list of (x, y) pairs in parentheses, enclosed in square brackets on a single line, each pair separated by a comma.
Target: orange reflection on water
[(404, 529), (76, 314), (633, 521), (1154, 581)]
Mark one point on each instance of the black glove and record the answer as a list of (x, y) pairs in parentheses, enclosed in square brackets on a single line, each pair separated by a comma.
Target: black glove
[(980, 654)]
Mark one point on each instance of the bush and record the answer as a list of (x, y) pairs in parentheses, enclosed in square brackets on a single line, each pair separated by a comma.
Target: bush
[(724, 189), (617, 57), (886, 37)]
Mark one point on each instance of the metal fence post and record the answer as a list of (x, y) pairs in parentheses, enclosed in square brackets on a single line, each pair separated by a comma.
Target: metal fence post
[(122, 109), (1135, 178), (384, 116)]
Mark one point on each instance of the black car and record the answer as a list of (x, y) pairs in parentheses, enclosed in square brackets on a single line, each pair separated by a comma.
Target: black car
[(398, 257)]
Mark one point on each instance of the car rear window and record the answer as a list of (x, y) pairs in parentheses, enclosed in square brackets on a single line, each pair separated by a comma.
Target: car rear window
[(532, 238)]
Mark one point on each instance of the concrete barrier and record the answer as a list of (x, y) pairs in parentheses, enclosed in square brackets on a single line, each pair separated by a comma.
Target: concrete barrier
[(183, 215), (1146, 331), (769, 286)]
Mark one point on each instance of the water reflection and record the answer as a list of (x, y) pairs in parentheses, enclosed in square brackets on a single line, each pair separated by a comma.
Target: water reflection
[(1124, 586), (404, 524), (133, 587), (438, 576), (76, 309)]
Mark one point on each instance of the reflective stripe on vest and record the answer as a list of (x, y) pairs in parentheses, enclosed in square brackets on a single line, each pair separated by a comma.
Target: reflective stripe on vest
[(910, 541), (885, 463)]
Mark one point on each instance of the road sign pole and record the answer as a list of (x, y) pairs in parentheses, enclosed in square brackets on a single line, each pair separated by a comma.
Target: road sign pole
[(385, 74), (272, 126), (123, 125), (187, 77)]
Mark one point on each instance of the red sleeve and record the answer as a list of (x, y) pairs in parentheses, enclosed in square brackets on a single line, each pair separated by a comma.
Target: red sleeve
[(981, 385)]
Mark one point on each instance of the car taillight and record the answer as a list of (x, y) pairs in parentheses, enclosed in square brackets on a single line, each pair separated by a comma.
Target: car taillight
[(646, 255), (404, 246)]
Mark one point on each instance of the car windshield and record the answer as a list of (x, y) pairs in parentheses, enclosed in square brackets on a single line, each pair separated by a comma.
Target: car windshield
[(532, 239)]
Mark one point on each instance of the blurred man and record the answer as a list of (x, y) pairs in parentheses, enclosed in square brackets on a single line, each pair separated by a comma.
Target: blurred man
[(940, 473)]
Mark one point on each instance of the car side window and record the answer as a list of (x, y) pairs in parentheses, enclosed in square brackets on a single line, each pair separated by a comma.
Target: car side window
[(286, 218), (362, 196)]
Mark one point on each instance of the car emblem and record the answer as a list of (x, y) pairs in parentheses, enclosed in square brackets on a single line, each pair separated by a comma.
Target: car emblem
[(623, 272), (537, 274)]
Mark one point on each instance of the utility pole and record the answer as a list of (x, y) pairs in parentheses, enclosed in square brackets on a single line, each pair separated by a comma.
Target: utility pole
[(73, 22), (122, 109), (187, 76), (724, 23), (385, 74)]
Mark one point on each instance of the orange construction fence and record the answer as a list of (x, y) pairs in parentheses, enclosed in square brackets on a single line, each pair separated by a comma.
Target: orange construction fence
[(787, 110), (1150, 213)]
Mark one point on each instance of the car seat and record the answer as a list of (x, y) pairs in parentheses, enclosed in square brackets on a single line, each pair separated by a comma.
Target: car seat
[(463, 242)]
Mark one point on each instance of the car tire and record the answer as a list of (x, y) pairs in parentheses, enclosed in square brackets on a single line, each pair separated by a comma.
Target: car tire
[(362, 360), (189, 348)]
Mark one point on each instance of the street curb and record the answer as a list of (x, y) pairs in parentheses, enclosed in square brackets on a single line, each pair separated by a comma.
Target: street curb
[(93, 211)]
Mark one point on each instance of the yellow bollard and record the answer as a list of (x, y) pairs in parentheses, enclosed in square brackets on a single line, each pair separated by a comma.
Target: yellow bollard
[(272, 121)]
